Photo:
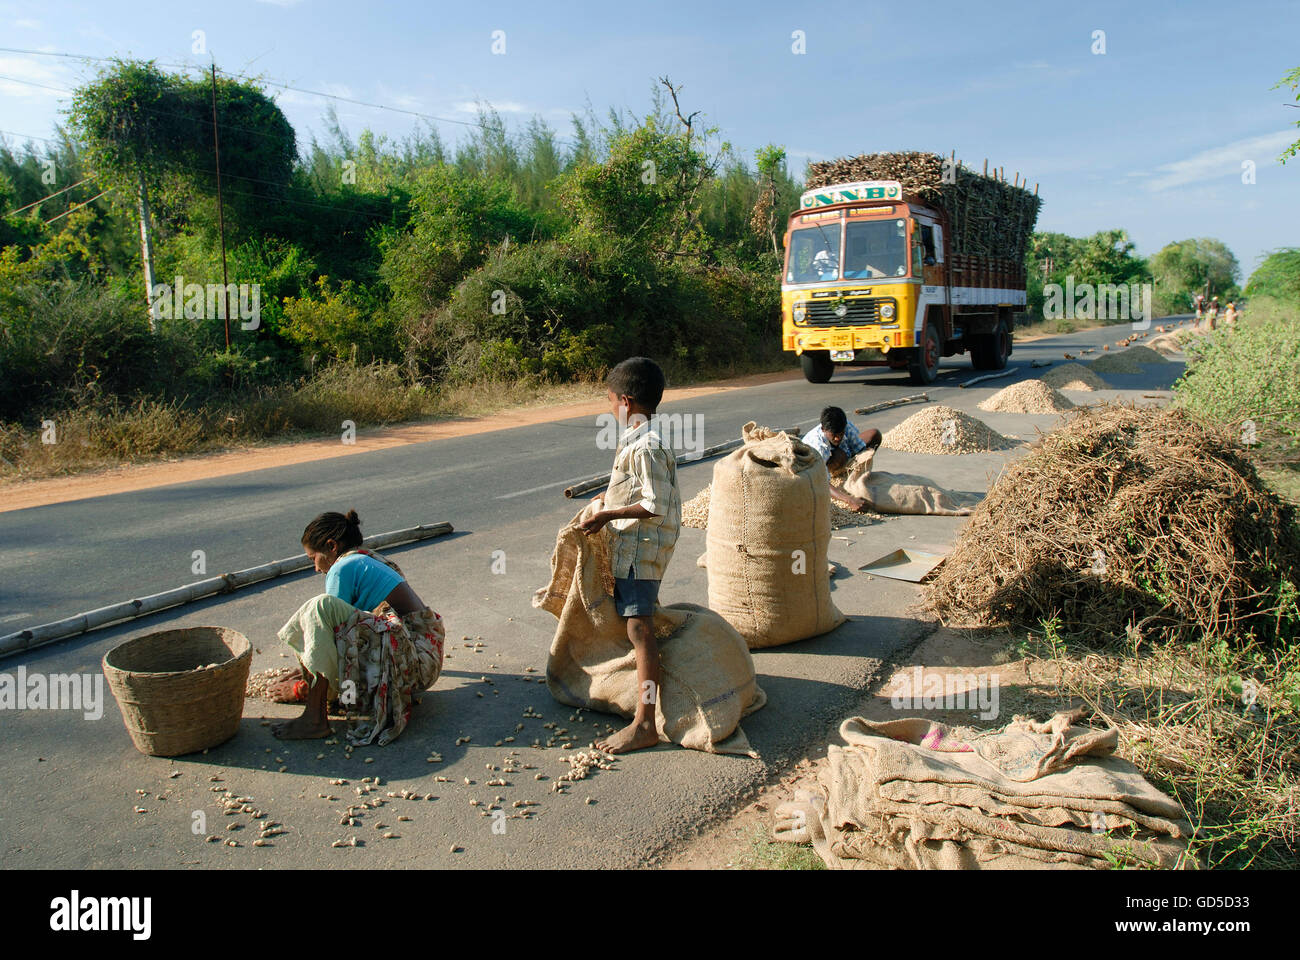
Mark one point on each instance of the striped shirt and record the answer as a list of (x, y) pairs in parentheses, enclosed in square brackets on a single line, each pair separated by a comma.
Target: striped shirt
[(645, 472)]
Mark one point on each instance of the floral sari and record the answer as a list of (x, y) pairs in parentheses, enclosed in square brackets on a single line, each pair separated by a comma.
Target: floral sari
[(376, 661)]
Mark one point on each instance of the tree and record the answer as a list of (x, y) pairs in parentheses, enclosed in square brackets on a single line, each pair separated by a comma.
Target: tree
[(127, 120), (1185, 267), (647, 191), (148, 133), (1278, 276), (771, 163), (1291, 80)]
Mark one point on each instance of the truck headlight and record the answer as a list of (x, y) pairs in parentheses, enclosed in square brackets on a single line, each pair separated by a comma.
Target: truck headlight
[(799, 312), (887, 311)]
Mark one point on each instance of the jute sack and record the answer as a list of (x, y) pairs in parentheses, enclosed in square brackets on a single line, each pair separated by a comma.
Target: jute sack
[(886, 799), (899, 492), (707, 682), (768, 536)]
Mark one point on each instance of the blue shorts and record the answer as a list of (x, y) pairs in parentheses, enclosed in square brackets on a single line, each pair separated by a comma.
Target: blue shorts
[(633, 597)]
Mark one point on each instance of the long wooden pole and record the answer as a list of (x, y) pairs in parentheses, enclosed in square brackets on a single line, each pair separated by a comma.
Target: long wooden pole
[(221, 217), (146, 252), (886, 404)]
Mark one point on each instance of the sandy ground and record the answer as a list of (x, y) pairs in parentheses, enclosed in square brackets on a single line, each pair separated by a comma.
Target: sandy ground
[(1025, 686), (36, 493)]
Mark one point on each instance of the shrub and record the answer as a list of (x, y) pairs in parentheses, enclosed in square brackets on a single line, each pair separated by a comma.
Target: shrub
[(1249, 371)]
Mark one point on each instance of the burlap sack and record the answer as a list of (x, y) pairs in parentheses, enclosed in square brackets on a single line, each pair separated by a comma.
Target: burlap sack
[(708, 680), (895, 803), (768, 536), (899, 492)]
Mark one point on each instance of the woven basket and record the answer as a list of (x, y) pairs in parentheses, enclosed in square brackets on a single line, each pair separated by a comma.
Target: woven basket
[(172, 702)]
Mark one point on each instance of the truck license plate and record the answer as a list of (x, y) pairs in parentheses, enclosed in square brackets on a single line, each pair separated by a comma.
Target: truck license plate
[(841, 354)]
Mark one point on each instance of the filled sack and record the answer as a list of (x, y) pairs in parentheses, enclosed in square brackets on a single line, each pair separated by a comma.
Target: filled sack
[(769, 532)]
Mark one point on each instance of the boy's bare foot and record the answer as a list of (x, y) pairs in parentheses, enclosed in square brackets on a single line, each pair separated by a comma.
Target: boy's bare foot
[(302, 728), (635, 736)]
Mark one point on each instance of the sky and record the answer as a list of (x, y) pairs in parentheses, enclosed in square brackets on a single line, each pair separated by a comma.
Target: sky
[(1145, 115)]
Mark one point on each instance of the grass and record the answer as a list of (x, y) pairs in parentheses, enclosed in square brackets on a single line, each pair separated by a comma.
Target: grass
[(763, 853), (1215, 728), (113, 432)]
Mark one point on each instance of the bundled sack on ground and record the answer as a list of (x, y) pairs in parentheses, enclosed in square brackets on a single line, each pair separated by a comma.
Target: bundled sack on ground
[(768, 537), (1128, 520), (906, 794), (707, 681), (900, 493)]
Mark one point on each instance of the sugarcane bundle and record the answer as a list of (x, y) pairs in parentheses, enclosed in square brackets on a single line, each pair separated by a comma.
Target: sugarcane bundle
[(989, 217)]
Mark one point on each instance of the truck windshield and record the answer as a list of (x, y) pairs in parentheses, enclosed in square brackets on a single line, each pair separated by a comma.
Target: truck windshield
[(875, 248), (814, 254)]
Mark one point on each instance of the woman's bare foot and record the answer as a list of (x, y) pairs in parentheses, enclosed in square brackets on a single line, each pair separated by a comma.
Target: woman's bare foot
[(302, 728), (635, 736)]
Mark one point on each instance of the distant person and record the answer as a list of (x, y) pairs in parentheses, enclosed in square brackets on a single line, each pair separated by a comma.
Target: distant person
[(368, 640), (1230, 314), (643, 508), (1199, 302), (838, 442), (1212, 315)]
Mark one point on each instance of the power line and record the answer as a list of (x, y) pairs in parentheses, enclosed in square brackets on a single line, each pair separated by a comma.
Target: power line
[(50, 197), (77, 207), (29, 136), (273, 83)]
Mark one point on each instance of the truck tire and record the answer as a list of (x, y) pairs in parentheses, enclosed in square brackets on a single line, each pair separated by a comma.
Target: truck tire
[(924, 366), (989, 351), (817, 366)]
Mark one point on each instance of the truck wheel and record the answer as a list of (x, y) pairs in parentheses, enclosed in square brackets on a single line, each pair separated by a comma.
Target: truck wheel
[(925, 362), (817, 366), (990, 351)]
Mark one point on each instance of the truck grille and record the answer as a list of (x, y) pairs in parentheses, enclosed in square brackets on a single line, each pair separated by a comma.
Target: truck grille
[(864, 310)]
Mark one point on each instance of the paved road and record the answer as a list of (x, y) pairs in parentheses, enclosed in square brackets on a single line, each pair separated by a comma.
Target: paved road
[(65, 558), (71, 782)]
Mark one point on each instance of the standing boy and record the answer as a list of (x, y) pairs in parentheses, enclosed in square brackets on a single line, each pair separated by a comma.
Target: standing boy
[(644, 511)]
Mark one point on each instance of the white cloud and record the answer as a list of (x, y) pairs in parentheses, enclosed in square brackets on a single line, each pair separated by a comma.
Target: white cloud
[(500, 106), (1220, 161), (35, 71), (28, 24)]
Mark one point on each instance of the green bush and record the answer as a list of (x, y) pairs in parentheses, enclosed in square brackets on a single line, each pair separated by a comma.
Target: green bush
[(562, 310), (340, 325), (1249, 371), (1278, 276)]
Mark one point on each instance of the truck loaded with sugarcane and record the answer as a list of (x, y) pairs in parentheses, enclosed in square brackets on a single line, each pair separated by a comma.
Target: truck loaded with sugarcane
[(901, 259)]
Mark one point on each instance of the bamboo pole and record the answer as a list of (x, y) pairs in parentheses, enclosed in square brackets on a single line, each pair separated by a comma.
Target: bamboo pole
[(989, 376), (46, 633), (886, 404)]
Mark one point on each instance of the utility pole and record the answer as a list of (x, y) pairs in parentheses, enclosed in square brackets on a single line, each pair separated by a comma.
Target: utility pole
[(221, 217), (146, 251)]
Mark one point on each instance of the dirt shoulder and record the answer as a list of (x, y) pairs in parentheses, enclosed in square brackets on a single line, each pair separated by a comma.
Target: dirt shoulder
[(19, 495), (742, 841)]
